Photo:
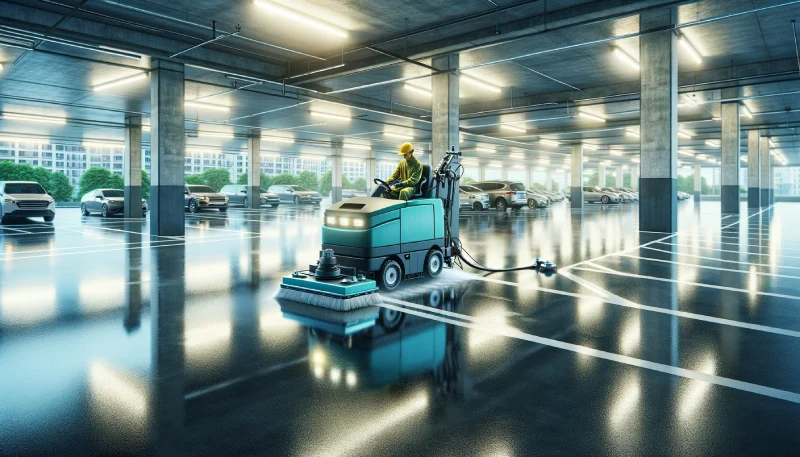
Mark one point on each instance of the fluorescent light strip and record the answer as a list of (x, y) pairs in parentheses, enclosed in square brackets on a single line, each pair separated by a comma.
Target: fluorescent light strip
[(589, 146), (479, 83), (615, 152), (279, 140), (683, 41), (418, 90), (712, 143), (686, 153), (549, 142), (487, 150), (398, 136), (632, 133), (771, 143), (517, 155), (103, 145), (622, 55), (215, 134), (362, 147), (495, 164), (512, 128), (337, 117), (745, 111), (191, 104), (31, 118), (591, 116), (635, 160), (285, 12), (685, 135), (119, 82)]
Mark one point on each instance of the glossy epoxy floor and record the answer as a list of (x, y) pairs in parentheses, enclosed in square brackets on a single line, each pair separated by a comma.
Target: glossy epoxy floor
[(643, 343)]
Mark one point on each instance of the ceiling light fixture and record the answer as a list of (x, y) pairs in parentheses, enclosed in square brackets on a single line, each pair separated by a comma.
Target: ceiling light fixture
[(771, 143), (486, 150), (479, 83), (495, 164), (689, 101), (685, 135), (593, 117), (686, 153), (589, 146), (615, 152), (418, 90), (31, 118), (512, 128), (517, 155), (712, 143), (119, 82), (214, 134), (683, 41), (191, 104), (337, 117), (285, 12), (362, 147), (635, 160), (745, 111), (632, 133), (549, 142), (398, 136), (278, 139), (622, 55)]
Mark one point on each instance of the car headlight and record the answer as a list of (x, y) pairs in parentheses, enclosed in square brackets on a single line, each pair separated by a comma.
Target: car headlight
[(205, 199), (114, 202), (226, 199), (9, 200)]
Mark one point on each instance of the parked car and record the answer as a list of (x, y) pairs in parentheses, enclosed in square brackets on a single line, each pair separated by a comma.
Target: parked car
[(107, 202), (25, 199), (683, 196), (351, 193), (536, 199), (237, 195), (624, 196), (596, 194), (503, 194), (470, 197), (199, 197), (295, 194), (555, 196)]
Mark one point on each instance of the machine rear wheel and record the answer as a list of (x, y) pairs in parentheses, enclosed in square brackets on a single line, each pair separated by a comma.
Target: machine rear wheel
[(434, 261), (390, 275), (501, 204)]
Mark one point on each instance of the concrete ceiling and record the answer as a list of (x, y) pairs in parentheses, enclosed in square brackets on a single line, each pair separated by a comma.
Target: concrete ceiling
[(547, 64)]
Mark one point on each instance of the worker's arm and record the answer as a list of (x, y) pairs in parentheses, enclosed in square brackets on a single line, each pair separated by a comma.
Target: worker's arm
[(396, 174), (415, 175)]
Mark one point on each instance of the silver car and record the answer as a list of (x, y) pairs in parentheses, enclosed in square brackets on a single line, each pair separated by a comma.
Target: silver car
[(538, 199), (504, 194), (197, 197), (626, 197), (472, 198), (25, 199), (107, 202), (296, 194), (596, 194), (237, 195)]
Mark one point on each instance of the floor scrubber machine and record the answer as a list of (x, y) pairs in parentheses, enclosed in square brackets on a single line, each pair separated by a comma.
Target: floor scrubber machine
[(370, 241)]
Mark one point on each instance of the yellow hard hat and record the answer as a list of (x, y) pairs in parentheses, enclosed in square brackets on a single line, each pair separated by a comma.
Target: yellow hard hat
[(405, 147)]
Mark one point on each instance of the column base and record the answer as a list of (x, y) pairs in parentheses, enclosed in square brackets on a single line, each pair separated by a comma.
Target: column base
[(729, 198), (753, 197), (576, 197), (765, 197), (133, 202), (254, 197), (697, 197), (658, 205), (167, 211)]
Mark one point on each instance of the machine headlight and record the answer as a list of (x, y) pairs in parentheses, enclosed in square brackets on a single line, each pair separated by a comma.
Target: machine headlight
[(358, 223), (344, 221), (330, 220)]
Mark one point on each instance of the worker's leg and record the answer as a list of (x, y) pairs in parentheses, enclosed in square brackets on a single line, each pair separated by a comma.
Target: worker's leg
[(393, 195), (406, 193)]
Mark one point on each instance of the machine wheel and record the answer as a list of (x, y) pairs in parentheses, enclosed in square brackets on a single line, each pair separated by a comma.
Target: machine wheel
[(104, 210), (192, 206), (296, 200), (605, 199), (84, 211), (390, 319), (49, 218), (390, 275), (434, 261), (244, 202), (477, 206), (501, 204), (223, 210), (531, 203)]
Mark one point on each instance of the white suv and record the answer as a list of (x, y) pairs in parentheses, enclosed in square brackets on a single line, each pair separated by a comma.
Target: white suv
[(25, 199)]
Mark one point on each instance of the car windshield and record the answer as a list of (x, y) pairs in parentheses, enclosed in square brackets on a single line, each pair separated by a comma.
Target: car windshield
[(194, 189), (517, 186), (113, 193), (24, 188), (299, 188)]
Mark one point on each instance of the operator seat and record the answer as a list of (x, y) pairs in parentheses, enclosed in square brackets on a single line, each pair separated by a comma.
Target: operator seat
[(421, 190)]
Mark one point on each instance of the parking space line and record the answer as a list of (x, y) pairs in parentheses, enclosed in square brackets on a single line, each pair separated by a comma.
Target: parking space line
[(720, 260), (746, 272), (728, 250), (503, 330)]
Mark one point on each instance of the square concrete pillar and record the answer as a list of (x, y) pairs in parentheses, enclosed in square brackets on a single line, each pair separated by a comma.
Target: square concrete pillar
[(336, 171), (753, 169), (658, 52), (731, 155), (167, 148), (132, 167), (371, 170), (766, 173), (576, 189), (482, 172), (444, 118), (698, 181), (635, 176), (254, 169), (548, 181), (601, 175)]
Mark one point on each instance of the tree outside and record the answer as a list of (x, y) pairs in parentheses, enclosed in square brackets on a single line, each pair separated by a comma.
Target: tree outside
[(308, 179), (99, 178), (284, 179), (145, 185), (266, 181), (194, 179), (57, 184), (326, 183), (216, 178)]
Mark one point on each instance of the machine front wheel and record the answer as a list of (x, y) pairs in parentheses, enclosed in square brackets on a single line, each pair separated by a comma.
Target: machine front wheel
[(434, 262), (390, 275)]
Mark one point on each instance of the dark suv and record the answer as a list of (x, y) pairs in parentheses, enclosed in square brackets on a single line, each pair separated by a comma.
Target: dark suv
[(504, 194)]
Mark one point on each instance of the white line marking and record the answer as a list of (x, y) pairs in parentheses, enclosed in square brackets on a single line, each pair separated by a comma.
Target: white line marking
[(744, 272), (720, 260), (695, 246), (660, 367)]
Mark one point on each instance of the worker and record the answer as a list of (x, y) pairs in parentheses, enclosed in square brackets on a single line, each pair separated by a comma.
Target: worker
[(406, 176)]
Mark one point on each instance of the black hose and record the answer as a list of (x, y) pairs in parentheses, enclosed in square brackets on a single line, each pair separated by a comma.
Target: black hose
[(459, 251)]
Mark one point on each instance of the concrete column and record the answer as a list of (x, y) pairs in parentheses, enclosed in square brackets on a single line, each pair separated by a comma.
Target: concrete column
[(731, 156), (766, 172), (336, 172), (566, 180), (548, 181), (167, 148), (371, 170), (132, 167), (504, 173), (658, 52), (529, 178), (444, 117), (635, 176), (698, 181), (254, 169), (753, 169), (576, 189), (482, 172), (601, 175)]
